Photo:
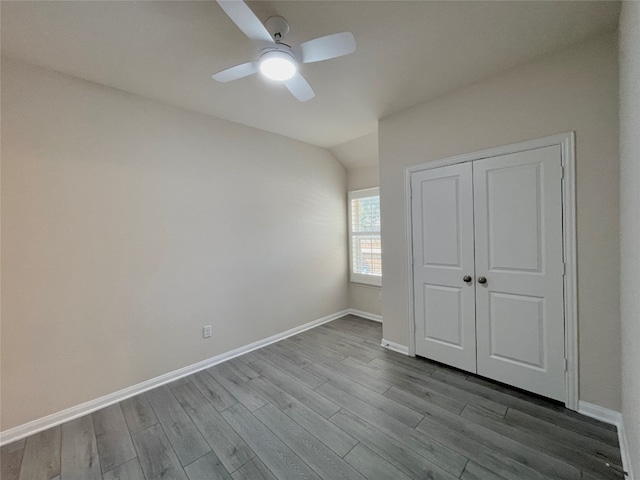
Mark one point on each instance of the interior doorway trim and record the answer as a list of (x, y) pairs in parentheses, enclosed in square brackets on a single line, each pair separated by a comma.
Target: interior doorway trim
[(566, 141)]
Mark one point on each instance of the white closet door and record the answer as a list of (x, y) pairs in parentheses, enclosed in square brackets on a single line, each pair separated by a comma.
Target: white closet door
[(518, 249), (442, 218)]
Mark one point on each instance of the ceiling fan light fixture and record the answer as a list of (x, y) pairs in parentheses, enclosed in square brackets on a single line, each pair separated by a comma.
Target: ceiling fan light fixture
[(278, 65)]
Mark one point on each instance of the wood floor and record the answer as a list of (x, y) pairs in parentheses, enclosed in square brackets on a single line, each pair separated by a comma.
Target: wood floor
[(329, 403)]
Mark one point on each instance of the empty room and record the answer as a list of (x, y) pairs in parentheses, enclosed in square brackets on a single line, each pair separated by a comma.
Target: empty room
[(306, 239)]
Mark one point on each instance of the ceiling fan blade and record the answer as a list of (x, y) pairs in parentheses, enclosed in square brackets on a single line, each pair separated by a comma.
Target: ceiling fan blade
[(324, 48), (246, 20), (300, 88), (234, 73)]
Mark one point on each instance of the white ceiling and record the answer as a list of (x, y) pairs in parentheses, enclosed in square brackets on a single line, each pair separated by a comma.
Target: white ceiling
[(407, 52), (359, 152)]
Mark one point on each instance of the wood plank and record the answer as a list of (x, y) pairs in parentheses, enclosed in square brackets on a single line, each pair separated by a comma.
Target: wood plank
[(540, 443), (416, 364), (413, 370), (249, 357), (296, 389), (571, 439), (350, 340), (239, 389), (498, 454), (208, 467), (337, 345), (79, 451), (232, 451), (473, 471), (11, 460), (315, 423), (382, 403), (442, 388), (138, 413), (315, 453), (293, 356), (491, 460), (279, 458), (541, 409), (41, 458), (366, 331), (215, 393), (282, 363), (365, 322), (302, 343), (157, 458), (552, 412), (128, 471), (241, 369), (354, 372), (432, 450), (396, 453), (327, 328), (370, 327), (114, 441), (421, 403), (253, 470), (183, 435), (372, 465)]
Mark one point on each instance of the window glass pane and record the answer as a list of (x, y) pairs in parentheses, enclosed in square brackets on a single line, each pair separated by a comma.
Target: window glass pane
[(366, 252), (365, 214), (367, 255)]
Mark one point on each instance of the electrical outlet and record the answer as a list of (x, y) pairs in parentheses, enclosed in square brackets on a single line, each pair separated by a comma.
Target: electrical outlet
[(206, 331)]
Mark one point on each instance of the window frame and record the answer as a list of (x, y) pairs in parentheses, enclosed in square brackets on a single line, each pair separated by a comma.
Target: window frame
[(361, 278)]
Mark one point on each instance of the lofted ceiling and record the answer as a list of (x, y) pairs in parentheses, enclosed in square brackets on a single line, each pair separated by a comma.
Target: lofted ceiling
[(407, 52)]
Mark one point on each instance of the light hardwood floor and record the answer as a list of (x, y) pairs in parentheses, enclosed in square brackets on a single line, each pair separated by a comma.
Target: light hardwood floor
[(328, 403)]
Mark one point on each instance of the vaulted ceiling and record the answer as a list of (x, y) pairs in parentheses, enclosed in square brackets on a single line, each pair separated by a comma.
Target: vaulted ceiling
[(407, 52)]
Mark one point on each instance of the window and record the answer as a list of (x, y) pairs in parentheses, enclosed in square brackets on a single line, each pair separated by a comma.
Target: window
[(364, 237)]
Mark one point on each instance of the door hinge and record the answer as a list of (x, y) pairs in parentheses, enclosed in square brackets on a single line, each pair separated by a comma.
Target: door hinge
[(562, 170), (566, 364), (564, 269)]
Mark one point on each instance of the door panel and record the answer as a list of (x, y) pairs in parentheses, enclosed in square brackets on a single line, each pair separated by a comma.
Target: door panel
[(444, 304), (518, 248), (514, 200), (442, 222), (506, 330)]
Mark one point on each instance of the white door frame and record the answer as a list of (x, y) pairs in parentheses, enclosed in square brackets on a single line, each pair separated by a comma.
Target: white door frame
[(567, 143)]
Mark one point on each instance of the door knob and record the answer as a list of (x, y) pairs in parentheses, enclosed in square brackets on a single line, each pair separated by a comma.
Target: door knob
[(482, 280), (466, 278)]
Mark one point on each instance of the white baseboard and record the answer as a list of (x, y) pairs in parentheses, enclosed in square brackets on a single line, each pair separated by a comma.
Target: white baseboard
[(367, 315), (396, 347), (40, 424), (613, 418)]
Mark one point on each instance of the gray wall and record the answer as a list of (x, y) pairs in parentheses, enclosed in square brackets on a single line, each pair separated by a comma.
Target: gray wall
[(630, 223), (129, 224), (574, 89)]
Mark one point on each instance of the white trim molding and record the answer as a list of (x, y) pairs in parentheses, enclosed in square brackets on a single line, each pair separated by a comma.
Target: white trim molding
[(566, 141), (396, 347), (612, 418), (367, 315), (40, 424)]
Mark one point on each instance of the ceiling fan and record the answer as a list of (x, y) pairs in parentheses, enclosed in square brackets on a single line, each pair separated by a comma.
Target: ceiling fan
[(277, 60)]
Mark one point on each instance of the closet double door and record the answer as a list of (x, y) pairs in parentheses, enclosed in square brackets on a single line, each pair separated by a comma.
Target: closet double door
[(488, 268)]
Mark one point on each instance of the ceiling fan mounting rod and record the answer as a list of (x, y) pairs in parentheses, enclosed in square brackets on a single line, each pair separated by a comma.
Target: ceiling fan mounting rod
[(277, 26)]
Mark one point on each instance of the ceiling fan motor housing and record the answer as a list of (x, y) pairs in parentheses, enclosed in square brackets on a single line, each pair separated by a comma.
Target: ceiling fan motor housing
[(278, 62)]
